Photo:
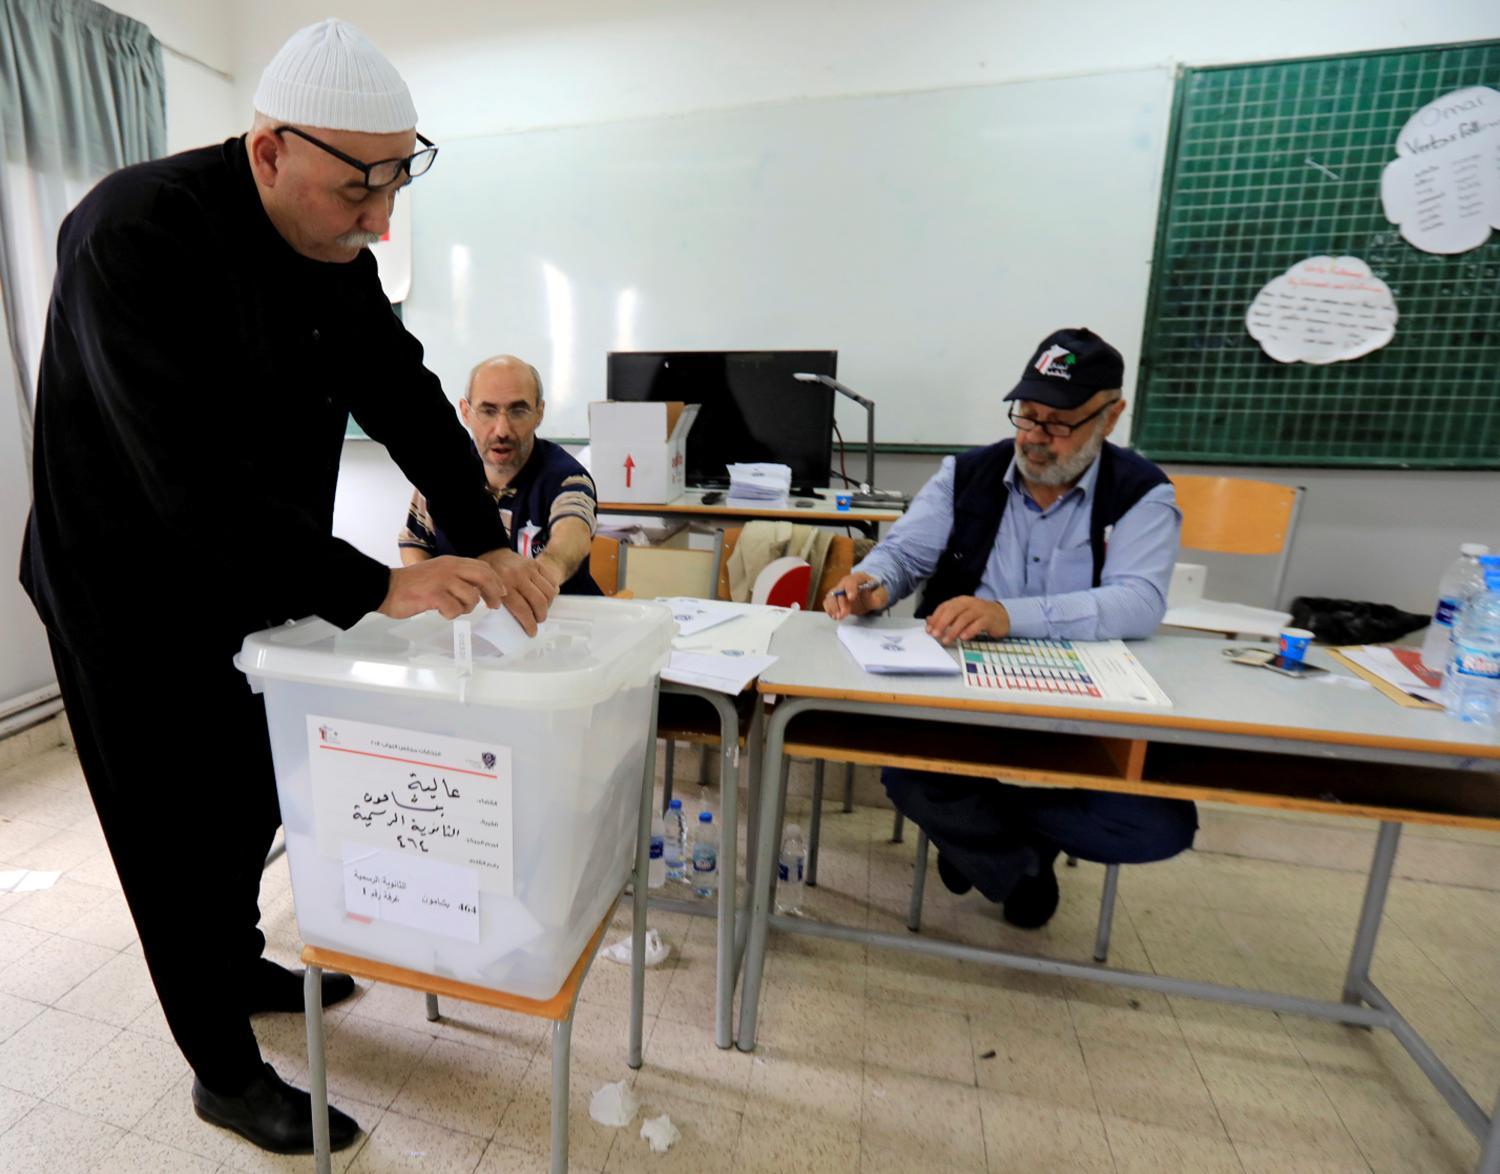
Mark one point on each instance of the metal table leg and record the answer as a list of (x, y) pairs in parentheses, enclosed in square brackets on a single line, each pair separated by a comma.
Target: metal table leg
[(848, 788), (639, 890), (562, 1055), (1370, 912), (814, 826), (432, 1008), (725, 956), (767, 835), (918, 884), (1489, 1160), (317, 1064)]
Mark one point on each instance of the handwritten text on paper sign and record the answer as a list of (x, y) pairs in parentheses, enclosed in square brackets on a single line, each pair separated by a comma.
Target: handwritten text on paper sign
[(421, 894), (1323, 310), (1443, 189), (421, 795)]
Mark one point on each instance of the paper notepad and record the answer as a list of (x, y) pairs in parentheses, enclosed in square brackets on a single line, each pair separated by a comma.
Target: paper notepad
[(907, 650)]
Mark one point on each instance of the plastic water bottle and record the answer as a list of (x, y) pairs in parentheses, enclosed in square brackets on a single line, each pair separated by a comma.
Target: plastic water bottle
[(674, 847), (789, 872), (656, 872), (1462, 579), (1471, 691), (705, 856)]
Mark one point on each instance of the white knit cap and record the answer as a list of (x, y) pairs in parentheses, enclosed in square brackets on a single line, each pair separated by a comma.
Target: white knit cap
[(329, 75)]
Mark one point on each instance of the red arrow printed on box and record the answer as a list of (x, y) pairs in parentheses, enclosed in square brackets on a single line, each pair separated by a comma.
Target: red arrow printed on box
[(629, 467)]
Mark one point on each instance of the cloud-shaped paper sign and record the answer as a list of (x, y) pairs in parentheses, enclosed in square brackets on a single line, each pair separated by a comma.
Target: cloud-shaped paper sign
[(1444, 189), (1323, 310)]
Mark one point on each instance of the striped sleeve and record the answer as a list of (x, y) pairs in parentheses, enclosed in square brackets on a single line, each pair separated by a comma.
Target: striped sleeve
[(418, 534), (575, 499)]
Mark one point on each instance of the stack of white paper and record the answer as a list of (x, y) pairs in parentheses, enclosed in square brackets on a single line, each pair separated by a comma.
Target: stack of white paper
[(724, 674), (765, 483), (906, 650)]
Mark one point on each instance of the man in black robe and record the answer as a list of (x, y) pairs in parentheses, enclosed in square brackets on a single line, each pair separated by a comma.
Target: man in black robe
[(215, 321)]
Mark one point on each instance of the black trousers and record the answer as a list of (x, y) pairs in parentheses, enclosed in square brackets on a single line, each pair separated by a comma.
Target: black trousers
[(994, 833), (179, 766)]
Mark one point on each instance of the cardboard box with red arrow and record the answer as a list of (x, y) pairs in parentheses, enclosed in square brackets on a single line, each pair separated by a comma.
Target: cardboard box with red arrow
[(639, 450)]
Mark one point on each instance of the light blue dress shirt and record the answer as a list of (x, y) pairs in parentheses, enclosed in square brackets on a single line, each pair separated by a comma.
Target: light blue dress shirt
[(1042, 567)]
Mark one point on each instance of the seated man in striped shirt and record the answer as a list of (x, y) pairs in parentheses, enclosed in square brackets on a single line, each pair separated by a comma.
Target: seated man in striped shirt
[(546, 498)]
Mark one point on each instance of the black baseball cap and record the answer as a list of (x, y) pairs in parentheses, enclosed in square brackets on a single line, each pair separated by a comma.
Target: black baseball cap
[(1069, 368)]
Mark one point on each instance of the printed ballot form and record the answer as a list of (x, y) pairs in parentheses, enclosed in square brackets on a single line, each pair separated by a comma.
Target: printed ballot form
[(899, 651)]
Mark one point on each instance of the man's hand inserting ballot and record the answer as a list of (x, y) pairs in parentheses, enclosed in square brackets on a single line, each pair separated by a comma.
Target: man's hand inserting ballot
[(451, 585), (529, 590)]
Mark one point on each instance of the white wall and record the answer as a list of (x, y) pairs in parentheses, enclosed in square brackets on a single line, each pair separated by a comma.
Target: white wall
[(481, 69)]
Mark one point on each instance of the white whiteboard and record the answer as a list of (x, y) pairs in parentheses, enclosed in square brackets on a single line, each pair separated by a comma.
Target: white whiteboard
[(932, 239)]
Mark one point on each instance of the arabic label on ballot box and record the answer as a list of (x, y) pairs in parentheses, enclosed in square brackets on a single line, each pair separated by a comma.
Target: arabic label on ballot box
[(408, 794)]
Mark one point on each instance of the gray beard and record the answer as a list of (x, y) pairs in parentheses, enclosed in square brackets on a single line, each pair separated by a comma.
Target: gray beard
[(1063, 470)]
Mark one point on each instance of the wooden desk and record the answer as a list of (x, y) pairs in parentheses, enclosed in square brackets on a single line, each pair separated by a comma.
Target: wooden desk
[(820, 511), (1235, 735)]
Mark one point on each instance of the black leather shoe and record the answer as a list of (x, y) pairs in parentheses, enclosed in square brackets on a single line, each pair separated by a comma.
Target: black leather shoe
[(1033, 901), (953, 880), (275, 988), (272, 1114)]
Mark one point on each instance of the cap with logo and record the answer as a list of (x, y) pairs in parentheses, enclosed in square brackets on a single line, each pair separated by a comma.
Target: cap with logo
[(329, 75), (1069, 368)]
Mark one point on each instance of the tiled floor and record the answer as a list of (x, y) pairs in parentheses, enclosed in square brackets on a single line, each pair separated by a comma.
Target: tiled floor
[(869, 1061)]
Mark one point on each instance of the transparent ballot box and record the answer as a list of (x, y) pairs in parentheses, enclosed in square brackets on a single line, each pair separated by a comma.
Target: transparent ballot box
[(454, 808)]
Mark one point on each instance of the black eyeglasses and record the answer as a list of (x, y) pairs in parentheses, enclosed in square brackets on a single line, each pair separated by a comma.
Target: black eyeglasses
[(1057, 428), (382, 173)]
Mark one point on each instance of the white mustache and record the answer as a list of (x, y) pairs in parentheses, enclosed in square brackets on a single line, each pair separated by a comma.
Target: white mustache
[(357, 239)]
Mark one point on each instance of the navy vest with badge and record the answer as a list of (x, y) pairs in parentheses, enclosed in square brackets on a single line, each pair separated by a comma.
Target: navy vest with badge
[(979, 499)]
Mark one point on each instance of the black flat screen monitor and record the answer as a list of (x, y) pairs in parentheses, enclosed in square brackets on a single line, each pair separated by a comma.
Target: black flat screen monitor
[(753, 410)]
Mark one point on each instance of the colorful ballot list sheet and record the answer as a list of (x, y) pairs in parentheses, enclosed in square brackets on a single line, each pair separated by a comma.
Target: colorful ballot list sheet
[(1104, 671)]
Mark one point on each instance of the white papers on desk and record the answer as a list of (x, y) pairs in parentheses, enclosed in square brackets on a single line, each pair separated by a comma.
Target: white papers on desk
[(761, 483), (727, 650), (698, 615), (907, 650), (1209, 615), (1386, 664), (718, 671), (747, 632)]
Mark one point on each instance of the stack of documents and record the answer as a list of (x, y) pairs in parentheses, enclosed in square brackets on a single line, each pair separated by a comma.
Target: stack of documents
[(763, 484), (907, 650), (1399, 669), (721, 645)]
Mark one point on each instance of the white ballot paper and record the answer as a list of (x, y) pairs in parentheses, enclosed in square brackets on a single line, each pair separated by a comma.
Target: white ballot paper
[(1443, 189), (906, 650), (1323, 310), (500, 629), (414, 794)]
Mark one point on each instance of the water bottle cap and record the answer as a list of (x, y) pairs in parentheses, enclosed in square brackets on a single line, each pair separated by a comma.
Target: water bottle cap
[(705, 817), (675, 805), (1474, 548)]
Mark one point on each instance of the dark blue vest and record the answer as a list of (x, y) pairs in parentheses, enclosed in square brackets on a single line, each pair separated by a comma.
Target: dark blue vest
[(979, 499)]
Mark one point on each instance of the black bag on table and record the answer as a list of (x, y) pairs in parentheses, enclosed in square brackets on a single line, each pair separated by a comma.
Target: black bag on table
[(1350, 621)]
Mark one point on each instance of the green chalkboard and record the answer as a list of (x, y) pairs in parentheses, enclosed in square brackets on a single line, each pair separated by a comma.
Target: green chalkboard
[(1273, 163)]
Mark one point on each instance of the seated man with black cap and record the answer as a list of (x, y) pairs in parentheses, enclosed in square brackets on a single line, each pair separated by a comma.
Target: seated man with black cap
[(1056, 534)]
